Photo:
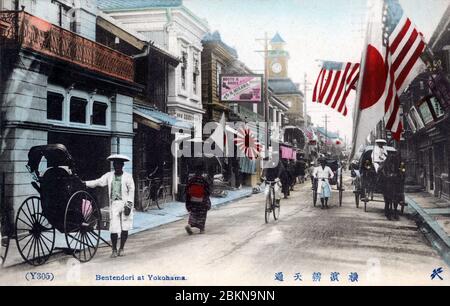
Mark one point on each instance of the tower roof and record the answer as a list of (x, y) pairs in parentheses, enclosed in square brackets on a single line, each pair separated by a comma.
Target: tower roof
[(277, 39)]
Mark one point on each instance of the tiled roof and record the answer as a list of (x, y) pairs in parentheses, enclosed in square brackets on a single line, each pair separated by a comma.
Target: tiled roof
[(111, 5), (283, 86), (215, 37), (161, 118)]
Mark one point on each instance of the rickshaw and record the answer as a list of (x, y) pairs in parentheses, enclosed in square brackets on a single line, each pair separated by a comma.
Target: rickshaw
[(63, 206), (4, 239), (337, 181), (365, 178)]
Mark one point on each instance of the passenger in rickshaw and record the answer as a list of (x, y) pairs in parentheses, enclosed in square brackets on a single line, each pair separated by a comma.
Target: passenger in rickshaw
[(121, 195), (379, 154), (323, 174)]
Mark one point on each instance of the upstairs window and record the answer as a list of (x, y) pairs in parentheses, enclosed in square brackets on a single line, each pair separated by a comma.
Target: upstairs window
[(195, 74), (78, 110), (184, 65), (437, 107), (99, 110), (55, 103)]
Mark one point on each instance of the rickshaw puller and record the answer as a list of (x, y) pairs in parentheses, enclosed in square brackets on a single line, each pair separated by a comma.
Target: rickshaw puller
[(379, 154), (323, 174), (121, 196)]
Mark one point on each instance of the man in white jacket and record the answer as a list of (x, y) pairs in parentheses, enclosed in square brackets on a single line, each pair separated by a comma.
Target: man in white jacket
[(121, 201), (379, 154), (323, 174)]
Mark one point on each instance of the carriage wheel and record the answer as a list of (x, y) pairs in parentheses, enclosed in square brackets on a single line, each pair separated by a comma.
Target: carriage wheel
[(341, 189), (315, 197), (82, 222), (35, 236), (4, 243)]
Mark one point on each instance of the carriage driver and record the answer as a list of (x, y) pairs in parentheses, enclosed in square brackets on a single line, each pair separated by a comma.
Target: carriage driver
[(379, 154), (121, 194)]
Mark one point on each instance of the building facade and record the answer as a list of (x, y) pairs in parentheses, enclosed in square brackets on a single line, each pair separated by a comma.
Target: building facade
[(53, 92), (426, 107), (177, 30)]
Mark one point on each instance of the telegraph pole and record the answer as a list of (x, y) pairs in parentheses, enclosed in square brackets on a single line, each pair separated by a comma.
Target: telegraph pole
[(326, 132), (306, 88), (266, 90)]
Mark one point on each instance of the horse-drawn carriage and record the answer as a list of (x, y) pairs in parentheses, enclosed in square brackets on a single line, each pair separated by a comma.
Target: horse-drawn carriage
[(63, 205), (335, 166), (389, 181)]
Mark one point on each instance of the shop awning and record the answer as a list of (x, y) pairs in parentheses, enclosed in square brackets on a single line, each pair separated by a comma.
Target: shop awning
[(155, 118)]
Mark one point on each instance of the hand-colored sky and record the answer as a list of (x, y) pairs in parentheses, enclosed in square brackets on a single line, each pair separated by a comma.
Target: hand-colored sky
[(319, 29)]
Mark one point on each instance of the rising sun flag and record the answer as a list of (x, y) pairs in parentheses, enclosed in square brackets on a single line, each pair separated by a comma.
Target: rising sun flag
[(391, 60)]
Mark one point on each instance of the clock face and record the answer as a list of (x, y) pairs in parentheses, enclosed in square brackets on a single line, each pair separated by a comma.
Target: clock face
[(276, 68)]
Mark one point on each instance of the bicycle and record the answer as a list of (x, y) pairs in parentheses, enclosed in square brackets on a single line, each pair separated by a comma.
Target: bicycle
[(272, 205), (153, 194)]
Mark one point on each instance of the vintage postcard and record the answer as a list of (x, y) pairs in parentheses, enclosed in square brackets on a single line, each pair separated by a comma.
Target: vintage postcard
[(185, 143)]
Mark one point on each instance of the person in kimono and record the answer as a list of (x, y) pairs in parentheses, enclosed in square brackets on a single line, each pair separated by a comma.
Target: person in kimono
[(121, 201), (198, 201), (323, 174)]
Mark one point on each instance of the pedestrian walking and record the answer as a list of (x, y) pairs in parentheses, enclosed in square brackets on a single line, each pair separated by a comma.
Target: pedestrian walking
[(198, 201), (121, 201)]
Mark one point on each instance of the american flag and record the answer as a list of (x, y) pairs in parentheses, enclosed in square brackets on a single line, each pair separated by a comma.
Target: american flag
[(404, 45), (334, 84)]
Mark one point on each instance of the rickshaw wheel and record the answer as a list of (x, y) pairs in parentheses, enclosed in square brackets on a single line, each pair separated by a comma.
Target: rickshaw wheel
[(315, 194), (82, 222), (357, 200), (341, 189), (35, 236), (4, 244)]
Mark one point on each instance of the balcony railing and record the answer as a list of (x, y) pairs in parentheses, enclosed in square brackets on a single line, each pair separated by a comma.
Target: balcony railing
[(30, 32)]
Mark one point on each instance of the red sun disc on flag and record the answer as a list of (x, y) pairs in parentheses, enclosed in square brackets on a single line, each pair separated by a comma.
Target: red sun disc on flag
[(248, 143)]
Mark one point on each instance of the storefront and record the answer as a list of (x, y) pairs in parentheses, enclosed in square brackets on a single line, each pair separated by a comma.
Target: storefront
[(153, 146), (428, 137)]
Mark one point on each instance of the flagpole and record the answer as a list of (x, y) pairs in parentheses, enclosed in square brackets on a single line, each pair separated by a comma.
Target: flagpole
[(357, 111)]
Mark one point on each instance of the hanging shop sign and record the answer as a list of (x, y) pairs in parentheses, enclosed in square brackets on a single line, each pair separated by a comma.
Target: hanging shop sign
[(241, 88)]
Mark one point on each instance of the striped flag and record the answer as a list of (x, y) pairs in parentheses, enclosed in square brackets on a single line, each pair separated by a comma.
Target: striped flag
[(334, 84), (391, 60), (404, 45)]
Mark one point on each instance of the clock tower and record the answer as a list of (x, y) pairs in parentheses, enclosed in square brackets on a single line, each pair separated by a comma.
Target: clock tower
[(278, 58)]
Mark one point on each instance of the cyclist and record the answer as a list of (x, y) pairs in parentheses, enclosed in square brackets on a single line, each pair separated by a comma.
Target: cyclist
[(274, 172)]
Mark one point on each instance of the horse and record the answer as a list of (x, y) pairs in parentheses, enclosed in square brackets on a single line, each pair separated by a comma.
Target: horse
[(391, 181)]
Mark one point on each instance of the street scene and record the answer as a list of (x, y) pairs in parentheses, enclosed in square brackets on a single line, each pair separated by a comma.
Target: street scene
[(193, 143)]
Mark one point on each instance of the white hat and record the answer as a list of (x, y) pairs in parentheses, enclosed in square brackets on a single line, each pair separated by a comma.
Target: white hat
[(119, 157), (381, 141)]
